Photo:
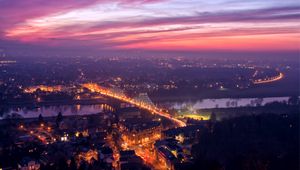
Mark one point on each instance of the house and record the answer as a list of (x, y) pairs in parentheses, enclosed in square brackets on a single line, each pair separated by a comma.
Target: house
[(28, 164)]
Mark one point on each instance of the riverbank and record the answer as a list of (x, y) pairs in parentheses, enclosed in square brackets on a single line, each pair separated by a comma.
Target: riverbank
[(228, 113)]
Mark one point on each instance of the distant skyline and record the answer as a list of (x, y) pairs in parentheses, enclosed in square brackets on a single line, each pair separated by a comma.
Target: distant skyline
[(183, 25)]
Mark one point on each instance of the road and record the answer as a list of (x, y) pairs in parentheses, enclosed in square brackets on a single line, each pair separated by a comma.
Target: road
[(153, 109), (269, 80)]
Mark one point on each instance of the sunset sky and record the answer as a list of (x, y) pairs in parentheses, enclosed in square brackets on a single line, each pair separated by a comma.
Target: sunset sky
[(152, 24)]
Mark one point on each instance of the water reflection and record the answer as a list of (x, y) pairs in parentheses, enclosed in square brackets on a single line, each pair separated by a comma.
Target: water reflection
[(48, 111), (225, 103)]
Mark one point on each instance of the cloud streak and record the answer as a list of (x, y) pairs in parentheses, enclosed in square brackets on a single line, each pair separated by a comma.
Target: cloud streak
[(125, 24)]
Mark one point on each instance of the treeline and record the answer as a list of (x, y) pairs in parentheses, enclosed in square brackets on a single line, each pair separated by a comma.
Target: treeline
[(257, 142)]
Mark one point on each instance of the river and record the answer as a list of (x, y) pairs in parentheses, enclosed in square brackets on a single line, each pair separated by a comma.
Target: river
[(224, 103), (50, 111)]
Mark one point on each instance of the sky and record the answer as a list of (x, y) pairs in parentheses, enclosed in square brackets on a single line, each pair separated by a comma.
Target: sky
[(191, 25)]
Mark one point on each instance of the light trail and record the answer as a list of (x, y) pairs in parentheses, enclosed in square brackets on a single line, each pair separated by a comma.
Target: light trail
[(269, 80), (104, 91)]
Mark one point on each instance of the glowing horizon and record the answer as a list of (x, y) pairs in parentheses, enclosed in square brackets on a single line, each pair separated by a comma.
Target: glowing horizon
[(153, 24)]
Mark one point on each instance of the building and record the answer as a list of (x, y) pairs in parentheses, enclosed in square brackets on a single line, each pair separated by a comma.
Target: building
[(166, 157), (140, 131), (129, 160), (106, 155), (28, 164), (188, 134), (87, 155), (171, 153), (129, 113)]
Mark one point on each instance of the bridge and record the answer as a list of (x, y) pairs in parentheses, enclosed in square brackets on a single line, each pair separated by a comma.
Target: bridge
[(142, 101)]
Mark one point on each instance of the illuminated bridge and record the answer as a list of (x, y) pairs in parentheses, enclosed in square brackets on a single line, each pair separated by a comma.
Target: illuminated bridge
[(142, 101)]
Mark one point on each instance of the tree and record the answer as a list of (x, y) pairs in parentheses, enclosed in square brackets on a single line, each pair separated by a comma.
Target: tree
[(59, 119), (213, 117), (62, 164), (73, 165), (41, 118), (82, 165), (294, 100)]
